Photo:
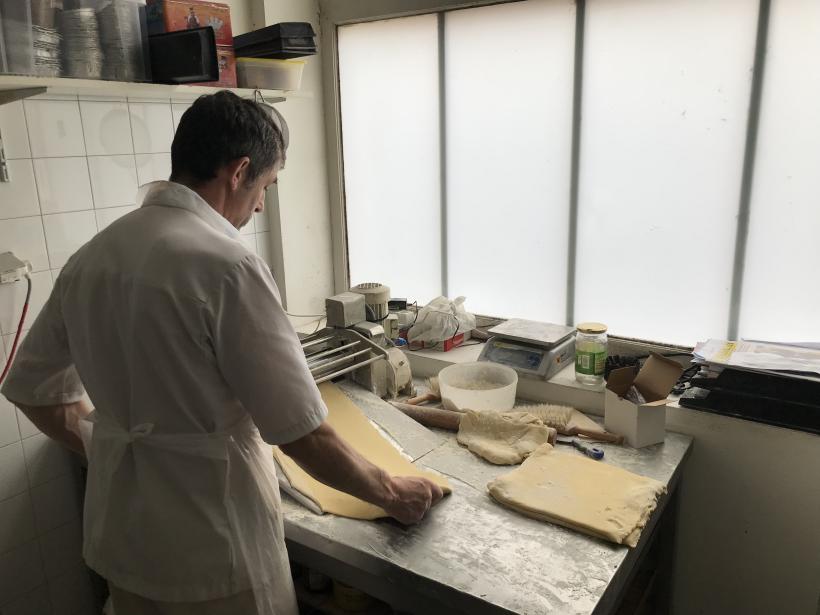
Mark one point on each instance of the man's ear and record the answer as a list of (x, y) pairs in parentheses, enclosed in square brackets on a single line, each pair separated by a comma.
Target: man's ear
[(238, 171)]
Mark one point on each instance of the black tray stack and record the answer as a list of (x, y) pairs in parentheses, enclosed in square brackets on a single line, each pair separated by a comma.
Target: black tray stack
[(281, 41)]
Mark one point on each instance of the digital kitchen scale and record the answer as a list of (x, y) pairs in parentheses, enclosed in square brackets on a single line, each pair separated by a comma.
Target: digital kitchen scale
[(533, 349)]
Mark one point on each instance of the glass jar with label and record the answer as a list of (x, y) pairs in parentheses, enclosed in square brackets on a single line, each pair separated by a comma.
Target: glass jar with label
[(590, 353)]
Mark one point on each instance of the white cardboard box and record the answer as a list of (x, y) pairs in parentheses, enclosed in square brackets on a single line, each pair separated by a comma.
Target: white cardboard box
[(644, 424)]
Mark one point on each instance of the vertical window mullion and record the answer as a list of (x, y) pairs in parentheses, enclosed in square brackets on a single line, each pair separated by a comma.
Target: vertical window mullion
[(577, 98), (442, 148)]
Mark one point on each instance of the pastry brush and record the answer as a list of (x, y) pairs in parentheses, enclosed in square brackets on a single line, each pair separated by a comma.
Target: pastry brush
[(560, 417)]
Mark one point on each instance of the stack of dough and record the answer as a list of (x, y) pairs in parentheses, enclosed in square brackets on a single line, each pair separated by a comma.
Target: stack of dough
[(585, 495), (503, 438)]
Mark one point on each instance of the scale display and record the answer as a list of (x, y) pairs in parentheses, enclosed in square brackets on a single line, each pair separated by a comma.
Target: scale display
[(529, 360), (517, 357)]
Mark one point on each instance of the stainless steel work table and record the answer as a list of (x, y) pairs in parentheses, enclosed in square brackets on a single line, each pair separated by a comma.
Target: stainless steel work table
[(470, 554)]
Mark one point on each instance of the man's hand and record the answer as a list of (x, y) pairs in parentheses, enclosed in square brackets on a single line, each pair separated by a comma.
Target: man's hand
[(331, 460), (60, 422), (411, 498)]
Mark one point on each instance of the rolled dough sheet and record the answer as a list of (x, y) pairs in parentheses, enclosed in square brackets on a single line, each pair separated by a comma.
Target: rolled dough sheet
[(585, 495), (502, 438), (346, 418)]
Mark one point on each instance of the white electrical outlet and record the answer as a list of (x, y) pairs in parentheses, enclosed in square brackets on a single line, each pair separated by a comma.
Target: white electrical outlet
[(12, 269)]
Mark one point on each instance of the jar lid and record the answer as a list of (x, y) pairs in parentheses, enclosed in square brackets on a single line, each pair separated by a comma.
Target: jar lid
[(592, 327)]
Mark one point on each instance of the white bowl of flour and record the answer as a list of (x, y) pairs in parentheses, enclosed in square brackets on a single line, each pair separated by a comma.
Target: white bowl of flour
[(478, 386)]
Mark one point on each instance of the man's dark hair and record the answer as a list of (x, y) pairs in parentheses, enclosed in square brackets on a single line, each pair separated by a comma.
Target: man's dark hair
[(222, 127)]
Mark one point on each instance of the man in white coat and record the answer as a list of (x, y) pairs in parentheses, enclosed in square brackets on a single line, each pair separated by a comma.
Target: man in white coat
[(177, 333)]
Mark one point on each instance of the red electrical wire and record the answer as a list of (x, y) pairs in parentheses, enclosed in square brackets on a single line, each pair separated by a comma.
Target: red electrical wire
[(19, 331)]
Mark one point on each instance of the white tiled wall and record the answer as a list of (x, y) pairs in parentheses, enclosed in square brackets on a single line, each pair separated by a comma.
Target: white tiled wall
[(75, 166)]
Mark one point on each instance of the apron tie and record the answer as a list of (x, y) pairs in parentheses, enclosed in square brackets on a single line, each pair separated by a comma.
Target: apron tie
[(140, 431)]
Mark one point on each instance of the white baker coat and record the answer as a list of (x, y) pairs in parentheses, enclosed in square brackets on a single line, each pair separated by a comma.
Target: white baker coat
[(175, 329)]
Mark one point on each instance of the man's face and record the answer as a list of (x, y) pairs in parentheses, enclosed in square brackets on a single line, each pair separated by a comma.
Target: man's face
[(249, 197)]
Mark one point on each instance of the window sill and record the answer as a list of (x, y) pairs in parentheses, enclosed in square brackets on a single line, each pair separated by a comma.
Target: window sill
[(560, 389)]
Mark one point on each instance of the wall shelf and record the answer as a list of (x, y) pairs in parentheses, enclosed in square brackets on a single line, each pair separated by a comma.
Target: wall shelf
[(13, 87)]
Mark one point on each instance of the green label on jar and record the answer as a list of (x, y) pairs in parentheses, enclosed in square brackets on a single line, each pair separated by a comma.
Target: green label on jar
[(590, 363)]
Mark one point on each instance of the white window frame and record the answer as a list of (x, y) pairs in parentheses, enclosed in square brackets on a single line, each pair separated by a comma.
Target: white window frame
[(335, 13)]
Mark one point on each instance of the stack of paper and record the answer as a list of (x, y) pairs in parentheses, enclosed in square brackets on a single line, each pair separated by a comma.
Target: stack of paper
[(759, 356)]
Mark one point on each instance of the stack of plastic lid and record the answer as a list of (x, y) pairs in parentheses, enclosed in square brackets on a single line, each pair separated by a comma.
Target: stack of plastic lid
[(46, 51), (280, 41), (121, 38), (82, 56)]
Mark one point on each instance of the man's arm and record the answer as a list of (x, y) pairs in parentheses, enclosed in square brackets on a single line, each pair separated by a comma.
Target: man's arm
[(60, 422), (330, 460)]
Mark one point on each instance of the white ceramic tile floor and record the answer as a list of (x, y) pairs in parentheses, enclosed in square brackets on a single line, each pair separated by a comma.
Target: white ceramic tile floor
[(56, 503), (13, 129), (16, 522), (113, 180), (152, 126), (46, 459), (153, 167), (13, 479), (54, 128), (21, 570), (63, 184), (18, 197), (24, 237), (66, 233), (107, 128)]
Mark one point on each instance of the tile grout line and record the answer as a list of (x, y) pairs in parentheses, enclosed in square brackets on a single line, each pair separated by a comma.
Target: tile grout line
[(36, 186), (37, 538), (133, 141), (88, 166)]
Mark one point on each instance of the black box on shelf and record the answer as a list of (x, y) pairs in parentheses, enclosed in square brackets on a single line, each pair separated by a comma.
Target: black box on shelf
[(186, 56), (280, 41)]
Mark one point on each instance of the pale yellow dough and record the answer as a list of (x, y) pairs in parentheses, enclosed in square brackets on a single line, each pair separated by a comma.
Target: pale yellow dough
[(579, 493), (354, 427), (502, 438)]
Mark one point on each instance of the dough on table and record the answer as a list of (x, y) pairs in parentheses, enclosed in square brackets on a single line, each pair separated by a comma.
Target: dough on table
[(579, 493), (355, 428), (503, 438)]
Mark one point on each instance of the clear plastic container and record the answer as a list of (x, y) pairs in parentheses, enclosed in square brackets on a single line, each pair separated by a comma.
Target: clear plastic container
[(269, 74), (478, 386), (16, 38), (590, 353), (123, 38)]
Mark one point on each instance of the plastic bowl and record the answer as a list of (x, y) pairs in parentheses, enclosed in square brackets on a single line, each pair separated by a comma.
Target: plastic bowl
[(478, 386)]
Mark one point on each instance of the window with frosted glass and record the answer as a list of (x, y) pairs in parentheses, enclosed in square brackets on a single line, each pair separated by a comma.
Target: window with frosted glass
[(508, 76), (665, 101), (388, 79), (781, 295)]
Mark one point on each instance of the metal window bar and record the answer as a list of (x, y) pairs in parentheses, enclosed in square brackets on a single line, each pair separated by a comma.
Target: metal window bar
[(577, 98), (747, 179)]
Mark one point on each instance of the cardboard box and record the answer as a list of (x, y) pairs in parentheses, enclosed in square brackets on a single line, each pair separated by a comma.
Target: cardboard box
[(644, 424), (172, 15), (227, 68)]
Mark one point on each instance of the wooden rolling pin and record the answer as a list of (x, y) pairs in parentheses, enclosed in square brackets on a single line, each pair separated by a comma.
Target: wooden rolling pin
[(431, 417), (432, 395), (597, 436), (447, 419)]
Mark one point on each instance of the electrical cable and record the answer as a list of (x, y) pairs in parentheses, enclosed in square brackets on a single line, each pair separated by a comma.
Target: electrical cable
[(19, 330), (319, 324)]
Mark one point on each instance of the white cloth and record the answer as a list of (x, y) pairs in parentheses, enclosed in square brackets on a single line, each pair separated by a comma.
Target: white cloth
[(178, 334)]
